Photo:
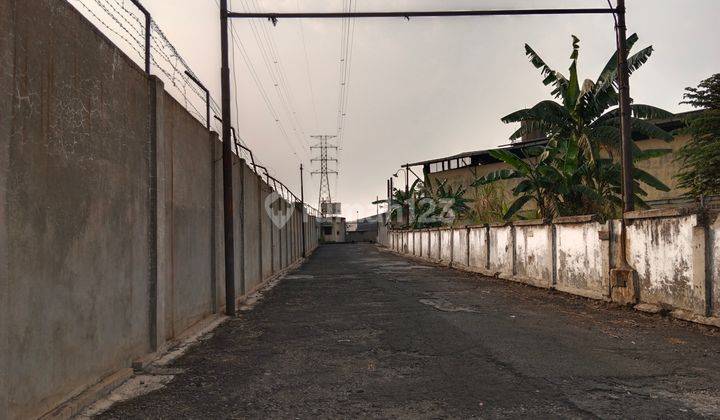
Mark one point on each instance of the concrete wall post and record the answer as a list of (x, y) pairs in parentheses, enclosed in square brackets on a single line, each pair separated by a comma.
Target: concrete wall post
[(554, 265), (160, 212), (452, 245), (467, 246), (241, 222), (702, 259), (261, 206), (214, 141), (487, 247), (513, 239)]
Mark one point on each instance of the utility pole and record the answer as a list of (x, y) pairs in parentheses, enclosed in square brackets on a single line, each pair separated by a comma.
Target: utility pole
[(324, 145), (227, 165), (624, 87), (390, 203), (406, 205), (302, 209)]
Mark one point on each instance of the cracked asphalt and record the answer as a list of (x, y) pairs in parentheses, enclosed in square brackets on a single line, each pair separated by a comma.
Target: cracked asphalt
[(356, 332)]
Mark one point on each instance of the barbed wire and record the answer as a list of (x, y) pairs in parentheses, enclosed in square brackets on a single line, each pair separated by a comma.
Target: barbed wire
[(121, 21)]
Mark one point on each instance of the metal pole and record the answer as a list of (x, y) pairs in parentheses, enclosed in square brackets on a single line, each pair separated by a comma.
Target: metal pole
[(390, 204), (302, 209), (227, 166), (624, 87), (148, 32), (207, 96), (442, 13), (406, 205)]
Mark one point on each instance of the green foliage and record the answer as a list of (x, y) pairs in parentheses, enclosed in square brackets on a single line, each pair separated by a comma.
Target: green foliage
[(584, 112), (561, 182), (488, 204), (706, 95), (700, 157), (428, 204), (570, 176)]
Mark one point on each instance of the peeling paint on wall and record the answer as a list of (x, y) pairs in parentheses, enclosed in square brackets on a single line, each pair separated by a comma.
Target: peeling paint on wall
[(661, 250), (446, 245), (580, 263), (478, 248), (501, 251), (459, 247), (533, 254)]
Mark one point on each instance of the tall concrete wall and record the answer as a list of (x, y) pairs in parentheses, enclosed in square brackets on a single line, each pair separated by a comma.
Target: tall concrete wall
[(77, 207), (675, 253), (7, 103), (189, 290), (252, 236), (111, 216)]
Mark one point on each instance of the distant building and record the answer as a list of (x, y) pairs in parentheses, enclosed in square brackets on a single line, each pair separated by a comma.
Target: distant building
[(333, 229), (463, 168), (363, 230)]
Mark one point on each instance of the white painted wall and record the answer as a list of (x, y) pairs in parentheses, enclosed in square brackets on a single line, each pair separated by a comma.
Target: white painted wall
[(533, 254), (460, 248), (582, 259), (501, 251), (661, 250), (478, 248), (446, 246)]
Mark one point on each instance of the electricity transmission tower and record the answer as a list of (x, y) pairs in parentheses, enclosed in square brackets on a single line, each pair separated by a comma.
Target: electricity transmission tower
[(324, 145)]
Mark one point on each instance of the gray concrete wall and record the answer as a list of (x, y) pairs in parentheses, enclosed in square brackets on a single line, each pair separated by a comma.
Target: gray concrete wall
[(76, 206), (252, 235), (111, 215), (267, 234), (219, 232), (189, 292), (7, 81), (478, 249)]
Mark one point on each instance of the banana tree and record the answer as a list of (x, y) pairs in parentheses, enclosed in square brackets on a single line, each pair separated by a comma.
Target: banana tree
[(401, 198), (587, 114), (561, 183)]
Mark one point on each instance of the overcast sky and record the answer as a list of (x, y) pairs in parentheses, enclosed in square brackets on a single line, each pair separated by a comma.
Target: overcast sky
[(429, 87)]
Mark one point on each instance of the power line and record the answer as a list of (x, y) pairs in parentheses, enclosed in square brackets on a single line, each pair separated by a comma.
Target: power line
[(256, 79), (272, 63), (307, 67)]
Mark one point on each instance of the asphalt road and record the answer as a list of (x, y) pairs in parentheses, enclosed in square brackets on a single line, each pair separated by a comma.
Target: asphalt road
[(357, 332)]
